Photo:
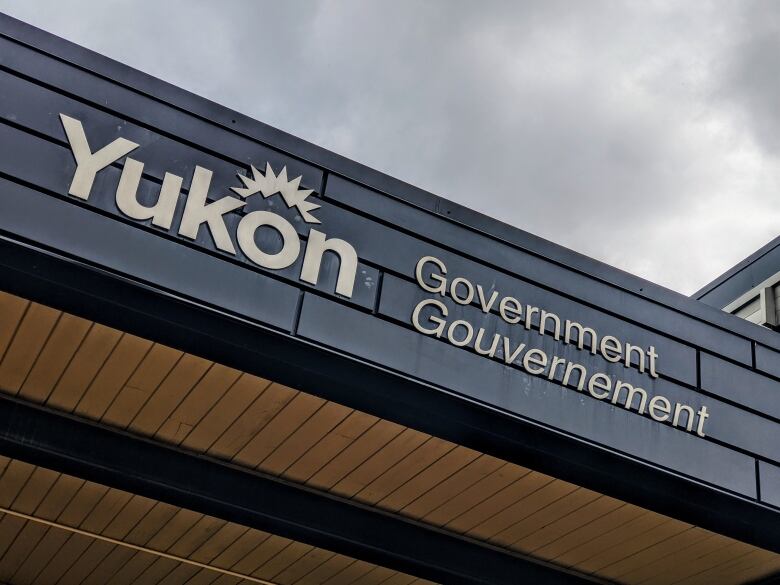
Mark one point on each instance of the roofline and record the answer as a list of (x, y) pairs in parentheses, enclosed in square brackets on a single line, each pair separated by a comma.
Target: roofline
[(737, 268), (241, 124)]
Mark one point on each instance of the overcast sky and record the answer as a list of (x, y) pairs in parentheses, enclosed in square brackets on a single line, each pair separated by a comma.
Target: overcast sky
[(644, 134)]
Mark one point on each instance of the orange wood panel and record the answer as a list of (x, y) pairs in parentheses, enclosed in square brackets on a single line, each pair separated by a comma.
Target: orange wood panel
[(112, 376), (82, 369), (235, 402), (50, 364), (27, 342)]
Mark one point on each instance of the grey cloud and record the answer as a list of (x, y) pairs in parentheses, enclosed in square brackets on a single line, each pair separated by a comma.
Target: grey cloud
[(609, 127), (750, 73)]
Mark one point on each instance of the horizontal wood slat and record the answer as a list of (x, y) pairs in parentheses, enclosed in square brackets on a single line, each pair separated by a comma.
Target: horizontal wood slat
[(58, 529)]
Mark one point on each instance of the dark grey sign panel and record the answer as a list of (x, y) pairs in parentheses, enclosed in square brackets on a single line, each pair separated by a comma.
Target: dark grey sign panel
[(741, 385), (725, 423), (770, 483), (102, 241), (498, 386), (768, 360)]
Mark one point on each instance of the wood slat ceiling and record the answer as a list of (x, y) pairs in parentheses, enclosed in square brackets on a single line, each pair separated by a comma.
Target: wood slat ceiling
[(92, 534), (85, 368)]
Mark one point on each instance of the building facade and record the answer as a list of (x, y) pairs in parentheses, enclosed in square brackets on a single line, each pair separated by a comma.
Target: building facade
[(230, 356)]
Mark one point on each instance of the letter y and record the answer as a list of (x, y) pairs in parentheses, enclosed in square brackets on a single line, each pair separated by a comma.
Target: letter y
[(88, 163)]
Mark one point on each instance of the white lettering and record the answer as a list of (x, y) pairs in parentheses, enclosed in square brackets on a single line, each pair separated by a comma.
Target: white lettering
[(197, 211), (465, 300), (440, 323), (702, 417), (511, 356), (486, 305), (466, 338), (88, 163), (535, 361), (291, 245), (317, 245), (441, 287), (611, 348), (510, 310), (491, 351), (599, 386), (161, 213), (659, 404)]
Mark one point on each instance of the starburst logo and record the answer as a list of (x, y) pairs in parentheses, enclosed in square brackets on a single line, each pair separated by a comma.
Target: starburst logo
[(270, 184)]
